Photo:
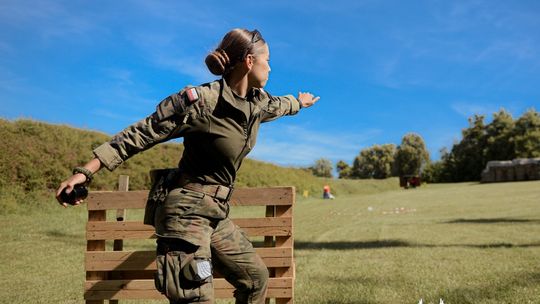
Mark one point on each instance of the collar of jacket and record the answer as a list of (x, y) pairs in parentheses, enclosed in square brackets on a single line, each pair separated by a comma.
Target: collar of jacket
[(255, 97)]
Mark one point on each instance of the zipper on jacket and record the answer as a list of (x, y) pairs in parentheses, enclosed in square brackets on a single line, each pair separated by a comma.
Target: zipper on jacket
[(247, 136)]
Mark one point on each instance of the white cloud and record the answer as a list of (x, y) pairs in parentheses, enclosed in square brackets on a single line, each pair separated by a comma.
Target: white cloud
[(183, 13), (10, 81), (50, 19), (6, 48), (169, 51), (192, 66), (301, 146), (123, 76), (117, 116), (517, 49), (467, 110)]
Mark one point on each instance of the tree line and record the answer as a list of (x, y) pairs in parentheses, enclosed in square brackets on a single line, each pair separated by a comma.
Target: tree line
[(504, 138)]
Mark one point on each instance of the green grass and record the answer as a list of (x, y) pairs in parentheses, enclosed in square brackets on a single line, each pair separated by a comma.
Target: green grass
[(464, 243)]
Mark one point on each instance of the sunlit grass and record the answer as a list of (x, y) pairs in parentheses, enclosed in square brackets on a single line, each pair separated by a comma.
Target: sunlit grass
[(464, 243)]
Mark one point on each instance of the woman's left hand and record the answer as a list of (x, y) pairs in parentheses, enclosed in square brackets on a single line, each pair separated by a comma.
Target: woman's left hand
[(307, 99)]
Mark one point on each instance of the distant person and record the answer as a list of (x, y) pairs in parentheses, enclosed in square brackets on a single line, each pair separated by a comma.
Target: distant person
[(326, 193), (219, 122)]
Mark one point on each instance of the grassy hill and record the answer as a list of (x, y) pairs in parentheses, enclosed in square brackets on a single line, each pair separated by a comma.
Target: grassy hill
[(35, 157)]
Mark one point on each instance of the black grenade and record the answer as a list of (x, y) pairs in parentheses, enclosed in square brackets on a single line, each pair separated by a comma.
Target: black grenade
[(78, 193)]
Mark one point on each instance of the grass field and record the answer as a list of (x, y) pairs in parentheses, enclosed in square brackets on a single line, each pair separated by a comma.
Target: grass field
[(464, 243)]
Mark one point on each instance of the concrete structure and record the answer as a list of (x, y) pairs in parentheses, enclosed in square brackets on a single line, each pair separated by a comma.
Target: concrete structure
[(520, 169)]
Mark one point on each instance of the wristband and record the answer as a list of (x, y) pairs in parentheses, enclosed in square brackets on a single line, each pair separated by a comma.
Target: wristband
[(85, 172), (300, 103)]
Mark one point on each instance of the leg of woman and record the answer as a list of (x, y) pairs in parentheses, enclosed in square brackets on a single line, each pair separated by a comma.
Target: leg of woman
[(185, 228), (235, 258)]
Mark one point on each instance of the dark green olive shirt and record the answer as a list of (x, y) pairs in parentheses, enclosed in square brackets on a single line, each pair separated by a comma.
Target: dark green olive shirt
[(219, 130)]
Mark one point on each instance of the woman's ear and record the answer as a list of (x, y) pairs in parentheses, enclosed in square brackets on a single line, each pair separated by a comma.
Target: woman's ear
[(249, 61)]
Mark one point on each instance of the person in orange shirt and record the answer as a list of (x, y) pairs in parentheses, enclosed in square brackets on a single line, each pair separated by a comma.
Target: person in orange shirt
[(326, 192)]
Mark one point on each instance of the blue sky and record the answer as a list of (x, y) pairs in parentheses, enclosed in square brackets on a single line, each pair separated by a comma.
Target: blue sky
[(382, 68)]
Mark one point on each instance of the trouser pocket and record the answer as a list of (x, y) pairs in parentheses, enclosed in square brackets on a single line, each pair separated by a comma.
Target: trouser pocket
[(182, 277)]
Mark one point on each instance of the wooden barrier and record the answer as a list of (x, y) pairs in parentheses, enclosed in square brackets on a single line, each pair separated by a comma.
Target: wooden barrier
[(118, 274)]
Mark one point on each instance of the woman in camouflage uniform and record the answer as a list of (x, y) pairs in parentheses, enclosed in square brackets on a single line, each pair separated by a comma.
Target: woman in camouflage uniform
[(219, 122)]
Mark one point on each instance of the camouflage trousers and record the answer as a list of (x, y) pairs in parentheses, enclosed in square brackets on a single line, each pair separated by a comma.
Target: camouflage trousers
[(194, 232)]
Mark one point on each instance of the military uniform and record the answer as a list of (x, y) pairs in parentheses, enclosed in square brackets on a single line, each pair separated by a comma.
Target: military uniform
[(219, 129)]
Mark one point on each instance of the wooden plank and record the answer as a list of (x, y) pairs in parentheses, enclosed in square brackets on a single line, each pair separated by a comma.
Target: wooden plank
[(144, 289), (105, 200), (108, 200), (137, 230), (262, 196), (94, 216), (145, 260), (269, 240), (285, 241), (287, 212), (123, 185), (244, 223)]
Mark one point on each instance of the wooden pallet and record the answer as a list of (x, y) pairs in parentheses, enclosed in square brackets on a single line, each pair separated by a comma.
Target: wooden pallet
[(116, 274)]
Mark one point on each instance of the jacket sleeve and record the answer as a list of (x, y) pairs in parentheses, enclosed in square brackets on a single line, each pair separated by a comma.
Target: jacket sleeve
[(280, 106), (164, 124)]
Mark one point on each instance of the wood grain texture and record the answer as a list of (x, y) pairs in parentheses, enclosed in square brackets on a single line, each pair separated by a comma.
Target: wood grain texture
[(108, 200)]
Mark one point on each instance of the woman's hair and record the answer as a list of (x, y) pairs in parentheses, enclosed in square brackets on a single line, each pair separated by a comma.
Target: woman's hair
[(234, 48)]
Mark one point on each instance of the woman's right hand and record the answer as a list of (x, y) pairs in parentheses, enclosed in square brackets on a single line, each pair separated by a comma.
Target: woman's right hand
[(68, 184), (307, 99)]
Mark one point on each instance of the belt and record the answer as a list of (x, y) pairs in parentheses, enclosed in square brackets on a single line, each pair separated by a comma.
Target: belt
[(216, 191)]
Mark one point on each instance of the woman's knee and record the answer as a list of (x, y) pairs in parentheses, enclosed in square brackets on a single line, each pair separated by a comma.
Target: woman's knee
[(259, 275)]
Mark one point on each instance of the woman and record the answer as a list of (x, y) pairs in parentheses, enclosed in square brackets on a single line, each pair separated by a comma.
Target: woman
[(219, 122)]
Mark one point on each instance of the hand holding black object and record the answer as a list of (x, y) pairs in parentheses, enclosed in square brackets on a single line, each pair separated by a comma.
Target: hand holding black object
[(78, 194)]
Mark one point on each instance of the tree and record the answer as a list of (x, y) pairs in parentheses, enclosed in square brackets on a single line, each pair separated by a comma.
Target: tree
[(323, 168), (374, 162), (502, 139), (500, 143), (433, 172), (343, 169), (467, 158), (411, 155), (527, 135)]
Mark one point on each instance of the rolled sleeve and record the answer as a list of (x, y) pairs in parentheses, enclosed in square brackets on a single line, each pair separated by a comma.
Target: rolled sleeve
[(295, 105), (108, 156), (136, 138), (280, 106)]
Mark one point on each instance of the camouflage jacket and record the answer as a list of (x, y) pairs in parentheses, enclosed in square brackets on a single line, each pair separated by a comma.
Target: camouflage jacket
[(219, 130)]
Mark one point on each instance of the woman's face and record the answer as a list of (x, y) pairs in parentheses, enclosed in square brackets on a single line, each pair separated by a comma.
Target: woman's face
[(258, 75)]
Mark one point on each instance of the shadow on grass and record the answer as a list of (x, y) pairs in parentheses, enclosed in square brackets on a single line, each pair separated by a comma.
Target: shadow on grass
[(351, 245), (342, 245), (491, 221), (331, 300), (69, 238), (520, 284)]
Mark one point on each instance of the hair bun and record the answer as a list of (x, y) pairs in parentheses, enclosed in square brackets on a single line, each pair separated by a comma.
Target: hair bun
[(217, 62)]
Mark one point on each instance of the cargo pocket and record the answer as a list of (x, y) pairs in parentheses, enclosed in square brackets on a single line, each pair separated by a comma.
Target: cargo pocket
[(175, 279), (159, 275), (179, 204)]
